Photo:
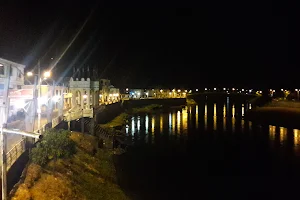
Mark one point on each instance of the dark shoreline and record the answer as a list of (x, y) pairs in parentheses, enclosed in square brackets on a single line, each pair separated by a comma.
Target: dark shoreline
[(277, 116)]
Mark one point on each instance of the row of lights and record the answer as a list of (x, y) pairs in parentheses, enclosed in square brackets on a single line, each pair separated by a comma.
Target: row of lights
[(215, 89), (47, 74)]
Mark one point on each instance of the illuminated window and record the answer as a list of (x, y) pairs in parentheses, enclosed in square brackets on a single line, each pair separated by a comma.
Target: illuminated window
[(1, 69)]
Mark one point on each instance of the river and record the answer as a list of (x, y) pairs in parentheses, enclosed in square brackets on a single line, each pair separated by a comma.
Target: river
[(207, 150)]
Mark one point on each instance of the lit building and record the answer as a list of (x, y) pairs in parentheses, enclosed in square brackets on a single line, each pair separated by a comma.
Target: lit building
[(136, 93), (114, 94), (15, 71), (104, 90)]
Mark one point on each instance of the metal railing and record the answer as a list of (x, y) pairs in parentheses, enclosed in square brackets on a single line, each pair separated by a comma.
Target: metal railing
[(16, 151), (13, 154)]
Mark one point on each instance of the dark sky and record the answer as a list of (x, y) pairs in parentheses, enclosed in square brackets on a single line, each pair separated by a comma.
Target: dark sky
[(210, 44)]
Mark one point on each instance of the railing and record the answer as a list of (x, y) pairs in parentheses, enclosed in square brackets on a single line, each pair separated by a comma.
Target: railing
[(77, 114), (56, 121), (13, 154)]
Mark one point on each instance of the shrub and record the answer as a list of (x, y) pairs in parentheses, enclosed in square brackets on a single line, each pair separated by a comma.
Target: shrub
[(55, 144)]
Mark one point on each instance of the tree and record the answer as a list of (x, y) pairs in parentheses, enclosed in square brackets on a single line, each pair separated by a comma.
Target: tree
[(55, 144)]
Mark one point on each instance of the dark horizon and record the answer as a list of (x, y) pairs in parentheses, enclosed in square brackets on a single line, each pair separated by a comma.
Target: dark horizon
[(223, 45)]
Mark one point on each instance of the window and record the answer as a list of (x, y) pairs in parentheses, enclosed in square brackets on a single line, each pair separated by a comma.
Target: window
[(1, 69), (2, 86), (19, 74)]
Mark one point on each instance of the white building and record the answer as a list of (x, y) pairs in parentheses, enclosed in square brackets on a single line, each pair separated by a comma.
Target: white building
[(15, 72)]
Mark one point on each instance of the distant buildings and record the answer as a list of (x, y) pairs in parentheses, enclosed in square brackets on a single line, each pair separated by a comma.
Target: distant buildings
[(155, 93)]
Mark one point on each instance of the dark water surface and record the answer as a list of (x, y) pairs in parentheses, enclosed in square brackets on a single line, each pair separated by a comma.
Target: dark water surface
[(208, 151)]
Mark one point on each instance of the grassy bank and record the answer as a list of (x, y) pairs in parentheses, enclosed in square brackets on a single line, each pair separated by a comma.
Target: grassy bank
[(278, 116), (146, 109), (88, 174), (118, 121), (121, 119)]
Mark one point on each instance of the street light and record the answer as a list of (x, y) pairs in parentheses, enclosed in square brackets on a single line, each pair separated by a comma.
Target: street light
[(38, 78), (29, 74), (47, 74)]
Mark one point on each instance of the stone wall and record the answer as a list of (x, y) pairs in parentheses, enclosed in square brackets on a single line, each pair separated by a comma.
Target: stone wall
[(109, 113)]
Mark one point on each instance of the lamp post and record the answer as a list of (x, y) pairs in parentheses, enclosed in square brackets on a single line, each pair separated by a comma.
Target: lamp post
[(50, 104), (3, 140), (38, 94)]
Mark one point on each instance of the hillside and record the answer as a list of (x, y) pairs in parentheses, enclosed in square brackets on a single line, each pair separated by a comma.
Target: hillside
[(88, 174)]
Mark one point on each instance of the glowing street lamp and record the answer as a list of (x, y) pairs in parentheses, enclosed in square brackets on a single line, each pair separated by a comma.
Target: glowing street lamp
[(29, 74), (47, 74)]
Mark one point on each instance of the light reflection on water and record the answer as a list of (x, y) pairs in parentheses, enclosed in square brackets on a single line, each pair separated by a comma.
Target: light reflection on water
[(146, 124), (215, 116), (185, 119), (161, 123), (178, 121), (205, 117), (190, 119), (197, 116)]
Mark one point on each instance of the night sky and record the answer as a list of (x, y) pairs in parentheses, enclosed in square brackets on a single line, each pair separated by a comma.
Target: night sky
[(209, 45)]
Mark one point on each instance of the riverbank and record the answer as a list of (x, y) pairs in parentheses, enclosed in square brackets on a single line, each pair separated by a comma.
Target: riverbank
[(279, 113), (121, 120), (88, 174)]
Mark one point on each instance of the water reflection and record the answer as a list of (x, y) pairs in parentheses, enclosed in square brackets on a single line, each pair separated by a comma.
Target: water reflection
[(170, 122), (224, 117), (272, 132), (132, 126), (219, 118), (174, 122), (161, 123), (185, 119), (243, 109), (197, 116), (215, 116), (138, 123), (296, 140), (178, 121), (205, 117), (152, 124), (282, 134), (146, 124)]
